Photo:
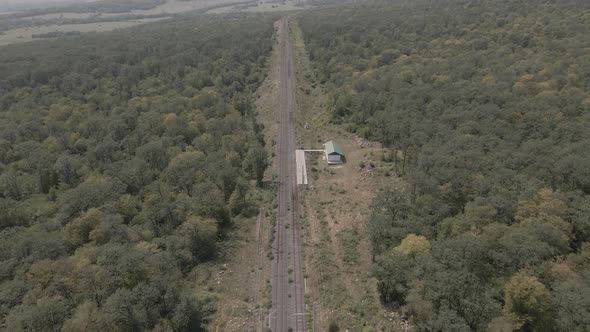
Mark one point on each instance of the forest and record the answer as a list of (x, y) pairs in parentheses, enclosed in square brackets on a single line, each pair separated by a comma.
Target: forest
[(125, 157), (483, 108)]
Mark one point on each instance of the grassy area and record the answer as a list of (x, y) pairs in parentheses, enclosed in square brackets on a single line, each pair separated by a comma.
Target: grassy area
[(270, 6), (243, 285), (170, 7), (348, 240), (25, 34), (177, 6)]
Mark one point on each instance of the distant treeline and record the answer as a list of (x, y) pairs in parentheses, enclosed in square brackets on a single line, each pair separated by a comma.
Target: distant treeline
[(55, 34)]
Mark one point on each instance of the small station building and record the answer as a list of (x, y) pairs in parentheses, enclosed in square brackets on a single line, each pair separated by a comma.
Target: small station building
[(334, 154)]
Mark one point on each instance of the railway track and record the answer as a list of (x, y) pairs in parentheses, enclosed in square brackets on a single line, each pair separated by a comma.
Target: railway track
[(288, 287)]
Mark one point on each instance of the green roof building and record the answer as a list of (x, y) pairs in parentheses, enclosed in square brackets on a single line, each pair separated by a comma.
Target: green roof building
[(334, 154)]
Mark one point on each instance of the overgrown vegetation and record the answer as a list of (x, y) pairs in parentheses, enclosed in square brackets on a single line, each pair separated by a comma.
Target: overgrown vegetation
[(483, 107), (124, 158)]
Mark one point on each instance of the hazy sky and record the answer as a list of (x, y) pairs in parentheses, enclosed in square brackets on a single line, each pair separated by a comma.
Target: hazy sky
[(8, 5), (20, 2)]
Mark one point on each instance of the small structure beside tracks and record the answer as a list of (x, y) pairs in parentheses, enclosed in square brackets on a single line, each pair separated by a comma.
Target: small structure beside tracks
[(334, 154)]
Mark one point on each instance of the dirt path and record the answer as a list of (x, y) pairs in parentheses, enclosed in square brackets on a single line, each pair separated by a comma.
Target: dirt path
[(288, 286), (239, 284)]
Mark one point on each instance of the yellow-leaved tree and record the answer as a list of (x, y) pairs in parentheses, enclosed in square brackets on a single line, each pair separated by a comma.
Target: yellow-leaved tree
[(526, 302), (413, 245)]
